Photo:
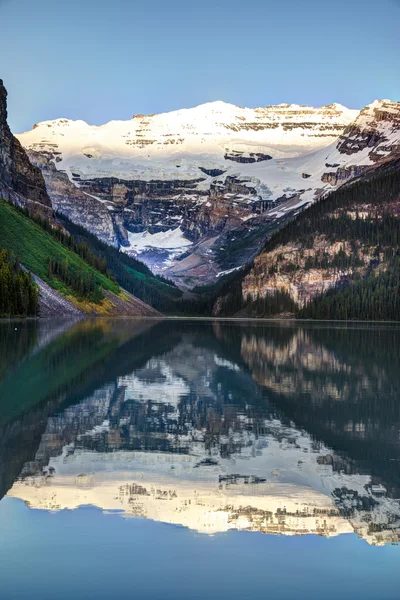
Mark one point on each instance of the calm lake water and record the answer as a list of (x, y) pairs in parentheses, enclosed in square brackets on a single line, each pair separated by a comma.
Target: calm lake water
[(199, 459)]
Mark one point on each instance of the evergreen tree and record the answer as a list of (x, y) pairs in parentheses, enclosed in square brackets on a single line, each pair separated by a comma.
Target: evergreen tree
[(19, 296)]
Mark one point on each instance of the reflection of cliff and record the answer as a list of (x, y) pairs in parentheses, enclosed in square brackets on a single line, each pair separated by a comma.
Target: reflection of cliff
[(341, 384), (179, 430)]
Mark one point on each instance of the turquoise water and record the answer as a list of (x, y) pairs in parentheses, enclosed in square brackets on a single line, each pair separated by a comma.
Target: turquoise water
[(199, 459)]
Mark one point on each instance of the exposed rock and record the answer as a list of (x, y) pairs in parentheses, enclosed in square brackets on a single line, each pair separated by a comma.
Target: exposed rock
[(19, 180), (126, 305), (342, 175), (377, 124), (212, 172), (284, 269), (251, 158), (83, 209), (52, 304)]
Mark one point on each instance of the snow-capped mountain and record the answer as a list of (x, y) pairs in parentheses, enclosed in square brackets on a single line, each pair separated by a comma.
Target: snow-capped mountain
[(178, 144), (189, 184)]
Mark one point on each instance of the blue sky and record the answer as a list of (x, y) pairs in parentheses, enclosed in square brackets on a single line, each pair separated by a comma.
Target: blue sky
[(84, 553), (99, 60)]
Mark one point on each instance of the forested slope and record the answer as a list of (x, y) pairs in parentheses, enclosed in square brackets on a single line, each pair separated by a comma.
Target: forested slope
[(67, 267), (339, 259)]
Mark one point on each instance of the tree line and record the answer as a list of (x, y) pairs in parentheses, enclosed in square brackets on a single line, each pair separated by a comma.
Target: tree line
[(19, 295), (80, 248), (362, 213), (376, 298), (329, 217), (82, 283)]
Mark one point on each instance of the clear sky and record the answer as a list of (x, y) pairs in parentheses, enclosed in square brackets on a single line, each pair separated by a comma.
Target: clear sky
[(99, 60), (84, 553)]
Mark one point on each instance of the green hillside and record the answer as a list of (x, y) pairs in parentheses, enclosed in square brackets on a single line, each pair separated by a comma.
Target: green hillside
[(69, 274), (133, 275)]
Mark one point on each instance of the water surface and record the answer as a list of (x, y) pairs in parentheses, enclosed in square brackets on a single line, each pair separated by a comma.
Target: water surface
[(194, 459)]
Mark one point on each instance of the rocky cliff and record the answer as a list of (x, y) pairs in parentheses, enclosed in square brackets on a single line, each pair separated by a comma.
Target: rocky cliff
[(348, 236), (20, 181)]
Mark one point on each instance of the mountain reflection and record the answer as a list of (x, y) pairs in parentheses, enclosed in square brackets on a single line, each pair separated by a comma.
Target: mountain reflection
[(277, 428)]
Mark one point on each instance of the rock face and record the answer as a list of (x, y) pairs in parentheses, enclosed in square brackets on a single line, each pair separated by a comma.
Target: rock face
[(343, 174), (305, 265), (81, 208), (52, 304), (20, 181), (200, 175), (375, 131), (285, 269)]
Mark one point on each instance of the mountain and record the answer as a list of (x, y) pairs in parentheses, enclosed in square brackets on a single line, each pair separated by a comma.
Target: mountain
[(20, 181), (339, 259), (71, 278), (196, 192)]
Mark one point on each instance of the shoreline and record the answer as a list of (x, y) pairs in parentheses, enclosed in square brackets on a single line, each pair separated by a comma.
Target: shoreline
[(193, 318)]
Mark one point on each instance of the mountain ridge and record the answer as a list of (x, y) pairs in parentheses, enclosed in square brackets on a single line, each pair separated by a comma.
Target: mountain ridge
[(209, 104), (204, 178)]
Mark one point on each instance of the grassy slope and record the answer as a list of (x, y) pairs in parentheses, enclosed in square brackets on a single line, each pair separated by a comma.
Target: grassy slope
[(34, 246)]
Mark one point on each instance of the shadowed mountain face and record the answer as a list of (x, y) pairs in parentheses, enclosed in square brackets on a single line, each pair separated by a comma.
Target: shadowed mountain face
[(275, 428), (20, 181)]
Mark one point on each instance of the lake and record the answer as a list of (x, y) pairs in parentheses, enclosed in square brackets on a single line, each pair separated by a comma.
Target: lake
[(191, 459)]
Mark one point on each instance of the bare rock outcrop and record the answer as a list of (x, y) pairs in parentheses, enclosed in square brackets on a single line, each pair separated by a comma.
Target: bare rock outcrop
[(20, 181)]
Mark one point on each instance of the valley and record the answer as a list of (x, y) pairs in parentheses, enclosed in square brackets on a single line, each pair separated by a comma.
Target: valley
[(186, 208)]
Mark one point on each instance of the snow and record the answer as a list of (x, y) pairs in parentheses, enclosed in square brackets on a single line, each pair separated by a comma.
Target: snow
[(221, 273), (173, 239), (151, 147), (168, 388), (176, 145)]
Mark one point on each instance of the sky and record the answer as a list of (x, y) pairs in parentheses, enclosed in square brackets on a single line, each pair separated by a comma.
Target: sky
[(99, 60), (84, 553)]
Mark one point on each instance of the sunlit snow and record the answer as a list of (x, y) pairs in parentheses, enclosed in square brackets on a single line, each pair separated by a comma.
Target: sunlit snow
[(173, 239)]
